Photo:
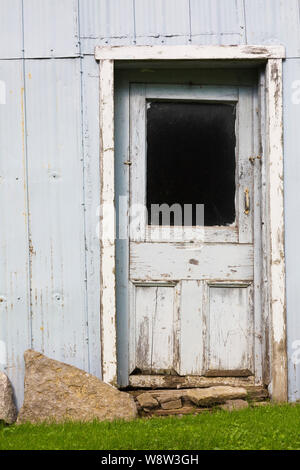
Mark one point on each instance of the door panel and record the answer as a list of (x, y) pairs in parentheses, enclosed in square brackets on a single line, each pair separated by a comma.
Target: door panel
[(153, 328), (173, 261), (229, 330)]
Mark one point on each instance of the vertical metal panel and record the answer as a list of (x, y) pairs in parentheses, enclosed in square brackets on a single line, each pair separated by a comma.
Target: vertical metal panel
[(50, 28), (217, 22), (14, 279), (91, 151), (274, 22), (291, 115), (11, 29), (162, 21), (105, 22), (55, 179)]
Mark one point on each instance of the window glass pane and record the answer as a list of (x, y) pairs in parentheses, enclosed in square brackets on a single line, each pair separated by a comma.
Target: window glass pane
[(191, 158)]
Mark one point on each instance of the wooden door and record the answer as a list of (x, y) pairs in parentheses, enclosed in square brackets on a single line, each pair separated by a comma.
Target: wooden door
[(193, 307)]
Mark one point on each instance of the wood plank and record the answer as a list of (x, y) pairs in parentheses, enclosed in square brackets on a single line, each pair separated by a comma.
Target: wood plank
[(173, 261), (189, 381), (188, 52), (137, 159), (191, 328), (245, 167), (122, 240), (276, 227), (257, 237), (152, 326), (107, 224), (163, 325), (191, 92)]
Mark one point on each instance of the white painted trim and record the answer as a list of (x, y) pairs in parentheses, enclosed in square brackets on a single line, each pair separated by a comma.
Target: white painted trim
[(188, 52), (107, 224), (276, 229), (274, 146)]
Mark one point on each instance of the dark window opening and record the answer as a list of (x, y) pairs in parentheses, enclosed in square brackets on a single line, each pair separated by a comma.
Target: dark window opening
[(191, 158)]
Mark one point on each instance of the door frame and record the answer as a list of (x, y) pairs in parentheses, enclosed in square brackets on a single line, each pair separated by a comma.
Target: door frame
[(272, 167)]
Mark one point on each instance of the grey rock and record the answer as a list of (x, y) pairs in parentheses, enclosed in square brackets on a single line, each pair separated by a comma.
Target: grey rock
[(214, 395), (145, 400), (8, 411), (57, 392)]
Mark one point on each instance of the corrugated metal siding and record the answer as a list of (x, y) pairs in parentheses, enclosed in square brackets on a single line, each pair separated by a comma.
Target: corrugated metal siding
[(55, 182), (106, 22), (14, 253), (291, 73), (50, 28), (274, 22), (162, 21), (11, 44), (215, 22), (55, 170)]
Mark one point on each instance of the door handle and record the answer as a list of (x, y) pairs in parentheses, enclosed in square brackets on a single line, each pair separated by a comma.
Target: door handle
[(247, 201)]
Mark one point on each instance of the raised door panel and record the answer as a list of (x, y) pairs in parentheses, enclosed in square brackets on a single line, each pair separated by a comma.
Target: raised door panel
[(153, 328), (230, 325)]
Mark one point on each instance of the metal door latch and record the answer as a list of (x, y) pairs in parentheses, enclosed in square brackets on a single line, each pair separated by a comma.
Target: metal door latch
[(127, 163)]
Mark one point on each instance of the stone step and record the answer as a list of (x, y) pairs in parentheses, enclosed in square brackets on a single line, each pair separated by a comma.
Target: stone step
[(165, 402)]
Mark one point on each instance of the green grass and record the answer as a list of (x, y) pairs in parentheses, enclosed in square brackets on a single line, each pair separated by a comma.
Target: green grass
[(269, 427)]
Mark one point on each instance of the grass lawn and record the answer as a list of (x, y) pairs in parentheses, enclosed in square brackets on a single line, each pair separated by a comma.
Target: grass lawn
[(269, 427)]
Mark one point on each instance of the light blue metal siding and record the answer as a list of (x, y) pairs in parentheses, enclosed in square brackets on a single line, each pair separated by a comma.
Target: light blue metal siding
[(50, 28), (291, 115), (104, 22), (14, 247), (274, 22), (215, 22), (11, 44), (162, 21), (49, 161)]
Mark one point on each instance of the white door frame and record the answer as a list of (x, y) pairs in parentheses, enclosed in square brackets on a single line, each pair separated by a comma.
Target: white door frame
[(271, 57)]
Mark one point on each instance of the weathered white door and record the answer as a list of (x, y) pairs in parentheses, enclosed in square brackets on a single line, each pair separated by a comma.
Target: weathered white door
[(193, 305)]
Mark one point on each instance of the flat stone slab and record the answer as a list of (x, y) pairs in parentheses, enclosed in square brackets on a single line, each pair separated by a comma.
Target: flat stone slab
[(145, 400), (8, 411), (214, 395), (58, 392), (171, 405)]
